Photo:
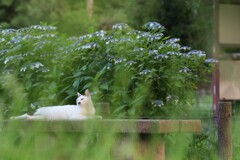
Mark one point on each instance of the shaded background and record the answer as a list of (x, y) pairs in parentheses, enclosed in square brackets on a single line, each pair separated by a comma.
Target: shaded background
[(190, 20)]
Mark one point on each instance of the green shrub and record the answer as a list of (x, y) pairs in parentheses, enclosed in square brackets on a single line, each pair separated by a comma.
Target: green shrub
[(139, 72)]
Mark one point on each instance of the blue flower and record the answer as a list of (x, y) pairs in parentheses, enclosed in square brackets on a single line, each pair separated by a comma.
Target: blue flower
[(153, 52), (172, 40), (163, 56), (196, 53), (130, 63), (185, 48), (8, 31), (44, 28), (153, 26), (116, 61), (138, 49), (4, 51), (144, 72), (174, 53), (144, 35), (120, 26), (36, 65), (157, 36), (134, 32), (86, 36), (185, 70), (87, 46), (100, 34), (157, 103), (17, 57), (172, 98), (2, 39), (211, 60), (46, 36), (115, 40), (109, 65)]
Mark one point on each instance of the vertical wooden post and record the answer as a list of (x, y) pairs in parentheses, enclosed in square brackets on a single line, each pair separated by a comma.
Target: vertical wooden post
[(160, 151), (90, 8), (225, 131), (146, 150)]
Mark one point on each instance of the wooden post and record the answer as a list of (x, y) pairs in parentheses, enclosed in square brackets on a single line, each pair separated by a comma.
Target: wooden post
[(145, 150), (224, 131), (90, 8)]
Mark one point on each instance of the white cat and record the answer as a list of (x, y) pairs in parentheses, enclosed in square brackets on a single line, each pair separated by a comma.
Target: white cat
[(84, 109)]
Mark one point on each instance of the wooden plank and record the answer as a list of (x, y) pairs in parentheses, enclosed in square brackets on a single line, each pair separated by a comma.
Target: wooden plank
[(169, 126), (115, 125), (193, 126)]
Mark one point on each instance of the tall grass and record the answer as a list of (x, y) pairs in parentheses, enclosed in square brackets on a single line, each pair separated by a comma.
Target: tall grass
[(23, 141)]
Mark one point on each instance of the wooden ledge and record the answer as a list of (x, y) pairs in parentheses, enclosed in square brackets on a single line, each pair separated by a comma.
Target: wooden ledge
[(113, 125)]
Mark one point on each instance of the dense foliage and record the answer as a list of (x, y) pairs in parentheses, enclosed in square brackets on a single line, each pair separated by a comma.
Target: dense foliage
[(189, 20), (140, 72)]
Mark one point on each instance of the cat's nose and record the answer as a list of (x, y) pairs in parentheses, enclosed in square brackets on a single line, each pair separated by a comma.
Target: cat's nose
[(79, 103)]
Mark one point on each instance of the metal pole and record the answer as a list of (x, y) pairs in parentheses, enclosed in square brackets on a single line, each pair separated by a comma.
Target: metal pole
[(215, 53)]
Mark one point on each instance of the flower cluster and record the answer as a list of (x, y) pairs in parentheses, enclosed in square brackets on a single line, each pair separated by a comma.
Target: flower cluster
[(2, 39), (161, 56), (174, 53), (153, 26), (172, 98), (196, 53), (91, 45), (34, 65), (185, 70), (3, 51), (130, 63), (138, 50), (144, 72), (7, 31), (144, 35), (157, 103), (115, 40), (153, 52), (120, 26), (43, 28), (100, 34), (155, 37), (17, 57), (185, 48), (120, 60), (150, 57), (172, 40), (211, 60)]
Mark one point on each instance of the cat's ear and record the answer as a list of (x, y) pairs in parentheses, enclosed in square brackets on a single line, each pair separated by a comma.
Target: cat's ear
[(87, 93), (78, 94)]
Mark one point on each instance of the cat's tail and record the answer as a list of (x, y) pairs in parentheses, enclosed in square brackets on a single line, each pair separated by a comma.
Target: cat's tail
[(22, 117)]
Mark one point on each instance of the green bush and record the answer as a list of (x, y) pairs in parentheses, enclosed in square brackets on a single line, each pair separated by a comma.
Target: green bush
[(139, 72)]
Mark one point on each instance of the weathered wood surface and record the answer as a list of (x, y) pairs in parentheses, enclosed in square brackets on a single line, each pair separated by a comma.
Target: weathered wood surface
[(225, 131), (114, 125)]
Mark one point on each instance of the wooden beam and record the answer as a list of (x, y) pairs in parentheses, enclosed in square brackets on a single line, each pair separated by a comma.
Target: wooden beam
[(114, 125)]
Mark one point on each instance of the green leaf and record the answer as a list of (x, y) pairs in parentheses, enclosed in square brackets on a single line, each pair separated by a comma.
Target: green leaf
[(76, 82), (104, 86), (132, 111), (52, 86), (87, 86), (120, 108)]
